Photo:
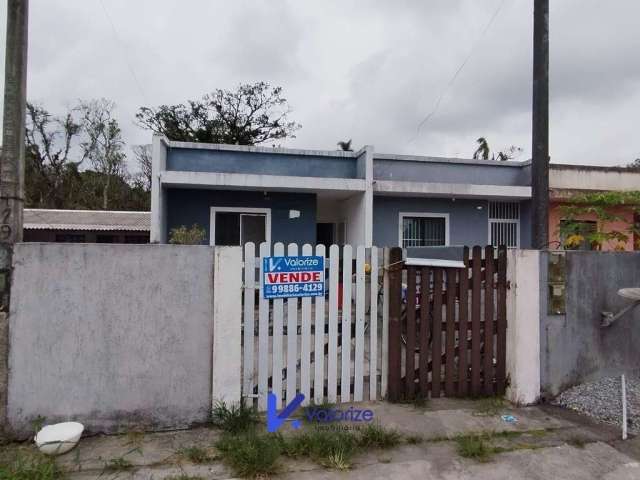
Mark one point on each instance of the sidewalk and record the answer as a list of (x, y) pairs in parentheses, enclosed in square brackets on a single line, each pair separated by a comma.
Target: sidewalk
[(544, 443)]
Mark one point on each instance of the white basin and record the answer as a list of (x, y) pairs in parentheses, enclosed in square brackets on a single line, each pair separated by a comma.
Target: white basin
[(59, 438)]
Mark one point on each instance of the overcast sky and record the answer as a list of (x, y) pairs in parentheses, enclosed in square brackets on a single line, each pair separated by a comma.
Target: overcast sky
[(367, 70)]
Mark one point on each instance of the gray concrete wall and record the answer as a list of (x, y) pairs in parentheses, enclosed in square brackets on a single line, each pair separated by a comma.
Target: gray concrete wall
[(259, 163), (448, 171), (111, 335), (468, 224), (188, 206), (574, 348)]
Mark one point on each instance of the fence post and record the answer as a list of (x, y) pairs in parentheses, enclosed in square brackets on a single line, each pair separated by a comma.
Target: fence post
[(226, 371), (395, 310), (523, 332)]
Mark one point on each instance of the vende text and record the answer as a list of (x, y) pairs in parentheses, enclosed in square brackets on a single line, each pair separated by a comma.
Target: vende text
[(294, 277)]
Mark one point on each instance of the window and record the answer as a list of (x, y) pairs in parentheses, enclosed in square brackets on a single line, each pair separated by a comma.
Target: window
[(237, 226), (504, 224), (424, 229)]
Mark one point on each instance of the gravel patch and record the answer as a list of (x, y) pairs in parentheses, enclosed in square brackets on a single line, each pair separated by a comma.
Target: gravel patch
[(602, 401)]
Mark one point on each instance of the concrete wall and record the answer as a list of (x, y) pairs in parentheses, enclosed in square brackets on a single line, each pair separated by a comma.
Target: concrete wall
[(110, 335), (189, 206), (468, 223), (574, 348), (428, 169), (262, 163)]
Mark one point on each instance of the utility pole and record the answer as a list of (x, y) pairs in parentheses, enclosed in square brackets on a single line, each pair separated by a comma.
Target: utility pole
[(11, 172), (540, 125)]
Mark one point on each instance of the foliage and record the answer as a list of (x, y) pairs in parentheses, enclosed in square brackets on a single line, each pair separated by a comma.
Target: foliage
[(28, 464), (483, 152), (196, 454), (56, 148), (187, 236), (333, 449), (345, 146), (598, 206), (474, 446), (252, 114), (250, 455), (236, 418), (376, 436)]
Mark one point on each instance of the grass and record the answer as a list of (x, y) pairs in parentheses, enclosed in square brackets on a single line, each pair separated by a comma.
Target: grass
[(475, 447), (119, 464), (197, 454), (237, 418), (27, 464), (184, 477), (375, 436), (577, 442), (251, 455), (333, 449), (414, 439), (489, 406)]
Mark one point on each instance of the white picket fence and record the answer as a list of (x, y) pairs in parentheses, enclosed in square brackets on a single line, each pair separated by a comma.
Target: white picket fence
[(310, 345)]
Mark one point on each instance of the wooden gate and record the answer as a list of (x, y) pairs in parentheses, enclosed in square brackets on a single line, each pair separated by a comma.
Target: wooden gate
[(447, 326)]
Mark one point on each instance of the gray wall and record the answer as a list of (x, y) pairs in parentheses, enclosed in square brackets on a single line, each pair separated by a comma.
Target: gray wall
[(574, 348), (495, 173), (110, 335), (203, 160), (468, 225), (186, 207)]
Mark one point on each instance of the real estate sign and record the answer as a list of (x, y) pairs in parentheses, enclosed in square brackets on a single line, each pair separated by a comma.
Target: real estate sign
[(284, 277)]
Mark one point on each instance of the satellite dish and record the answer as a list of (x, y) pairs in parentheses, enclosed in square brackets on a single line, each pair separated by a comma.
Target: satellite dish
[(630, 293)]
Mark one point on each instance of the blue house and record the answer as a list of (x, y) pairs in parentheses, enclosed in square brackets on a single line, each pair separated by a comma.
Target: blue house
[(241, 194)]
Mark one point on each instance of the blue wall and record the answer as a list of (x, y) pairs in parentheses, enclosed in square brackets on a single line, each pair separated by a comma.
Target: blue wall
[(448, 172), (258, 163), (186, 207)]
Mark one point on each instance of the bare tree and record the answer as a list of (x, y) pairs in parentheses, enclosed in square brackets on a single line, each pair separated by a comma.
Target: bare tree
[(143, 159), (103, 144), (49, 142)]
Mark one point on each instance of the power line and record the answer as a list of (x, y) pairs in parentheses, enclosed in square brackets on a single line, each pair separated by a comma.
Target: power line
[(457, 72), (124, 55)]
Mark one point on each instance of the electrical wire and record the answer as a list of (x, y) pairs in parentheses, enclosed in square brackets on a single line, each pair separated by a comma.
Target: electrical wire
[(124, 52), (436, 106)]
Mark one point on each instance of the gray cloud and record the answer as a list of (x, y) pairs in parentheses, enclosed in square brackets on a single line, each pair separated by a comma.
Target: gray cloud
[(368, 71)]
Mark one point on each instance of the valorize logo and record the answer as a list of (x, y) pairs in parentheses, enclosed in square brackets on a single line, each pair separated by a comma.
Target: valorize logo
[(313, 414)]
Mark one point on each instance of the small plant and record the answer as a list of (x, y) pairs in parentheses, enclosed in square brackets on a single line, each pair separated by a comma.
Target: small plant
[(37, 423), (414, 439), (328, 448), (236, 418), (250, 455), (119, 464), (474, 446), (26, 464), (187, 236), (196, 454), (486, 407), (577, 442), (376, 436), (135, 438)]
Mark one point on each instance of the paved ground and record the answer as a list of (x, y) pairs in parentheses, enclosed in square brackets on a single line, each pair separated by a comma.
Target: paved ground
[(553, 444)]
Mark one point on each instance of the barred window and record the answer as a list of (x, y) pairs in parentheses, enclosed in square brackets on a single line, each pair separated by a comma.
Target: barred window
[(423, 230), (504, 224)]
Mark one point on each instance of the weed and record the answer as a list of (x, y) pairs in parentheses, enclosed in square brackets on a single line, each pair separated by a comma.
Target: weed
[(414, 439), (577, 442), (184, 477), (236, 418), (27, 464), (119, 464), (474, 446), (251, 454), (376, 436), (329, 448), (37, 423), (486, 407), (135, 438), (307, 412), (196, 454)]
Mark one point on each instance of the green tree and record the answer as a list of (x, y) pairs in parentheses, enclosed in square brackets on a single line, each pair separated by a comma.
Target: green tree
[(482, 152), (187, 236), (250, 115)]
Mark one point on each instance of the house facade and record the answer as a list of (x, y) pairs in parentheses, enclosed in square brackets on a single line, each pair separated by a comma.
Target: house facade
[(240, 194), (566, 182)]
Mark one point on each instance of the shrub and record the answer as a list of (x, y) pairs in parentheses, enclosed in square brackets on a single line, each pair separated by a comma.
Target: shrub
[(187, 236), (250, 455), (235, 418)]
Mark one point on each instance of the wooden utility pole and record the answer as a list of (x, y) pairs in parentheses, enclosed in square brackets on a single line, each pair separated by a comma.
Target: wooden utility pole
[(540, 125), (11, 171)]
